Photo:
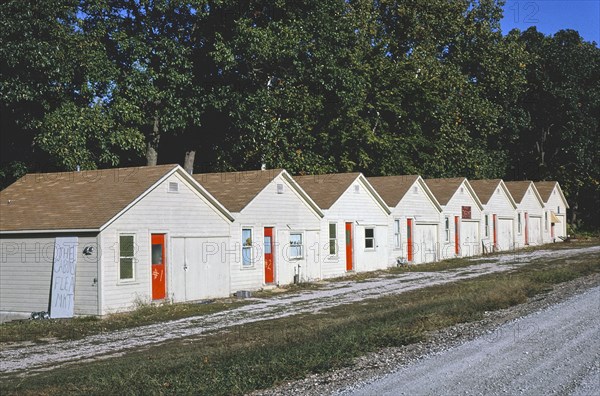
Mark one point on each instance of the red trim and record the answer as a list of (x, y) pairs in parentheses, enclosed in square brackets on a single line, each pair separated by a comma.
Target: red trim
[(349, 242), (495, 230), (409, 231), (456, 235)]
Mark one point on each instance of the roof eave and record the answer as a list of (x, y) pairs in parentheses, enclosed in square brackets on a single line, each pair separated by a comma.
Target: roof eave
[(311, 203), (50, 231), (374, 193)]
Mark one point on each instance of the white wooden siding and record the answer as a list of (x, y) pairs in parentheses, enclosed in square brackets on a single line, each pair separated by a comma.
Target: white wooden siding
[(556, 204), (26, 273), (532, 206), (287, 212), (500, 205), (363, 211), (417, 205), (454, 208), (184, 213)]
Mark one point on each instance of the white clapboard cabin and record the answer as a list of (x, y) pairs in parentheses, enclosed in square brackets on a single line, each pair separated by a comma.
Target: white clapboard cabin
[(555, 211), (414, 226), (119, 228), (276, 228), (530, 212), (461, 216), (354, 230), (499, 209)]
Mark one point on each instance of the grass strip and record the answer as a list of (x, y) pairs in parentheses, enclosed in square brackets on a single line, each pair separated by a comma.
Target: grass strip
[(80, 327), (263, 354)]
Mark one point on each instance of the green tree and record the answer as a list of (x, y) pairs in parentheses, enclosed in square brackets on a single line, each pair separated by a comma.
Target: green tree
[(562, 101), (150, 43)]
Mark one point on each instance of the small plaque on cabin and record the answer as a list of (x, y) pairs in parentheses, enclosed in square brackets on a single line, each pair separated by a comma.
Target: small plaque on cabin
[(466, 212)]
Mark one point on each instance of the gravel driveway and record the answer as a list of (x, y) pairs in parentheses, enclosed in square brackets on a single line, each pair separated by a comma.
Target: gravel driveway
[(554, 351), (25, 358)]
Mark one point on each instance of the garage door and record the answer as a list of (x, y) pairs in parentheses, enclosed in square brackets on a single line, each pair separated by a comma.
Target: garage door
[(198, 269), (505, 234), (535, 230), (425, 240), (469, 238)]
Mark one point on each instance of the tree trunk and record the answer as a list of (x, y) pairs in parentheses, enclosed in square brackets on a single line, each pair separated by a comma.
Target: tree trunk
[(152, 145), (188, 162)]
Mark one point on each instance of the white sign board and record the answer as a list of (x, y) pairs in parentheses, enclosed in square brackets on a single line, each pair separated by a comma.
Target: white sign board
[(62, 301)]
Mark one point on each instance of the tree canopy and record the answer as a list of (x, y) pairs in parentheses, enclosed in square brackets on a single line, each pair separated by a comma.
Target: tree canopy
[(384, 87)]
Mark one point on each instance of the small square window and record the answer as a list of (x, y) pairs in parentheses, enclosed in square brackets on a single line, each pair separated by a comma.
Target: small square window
[(173, 187), (279, 188), (415, 190), (356, 189), (296, 246)]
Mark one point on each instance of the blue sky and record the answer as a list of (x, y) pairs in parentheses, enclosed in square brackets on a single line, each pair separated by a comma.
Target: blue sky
[(550, 16)]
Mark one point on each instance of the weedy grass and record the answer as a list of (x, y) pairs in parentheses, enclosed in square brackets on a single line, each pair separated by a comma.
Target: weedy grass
[(263, 354), (40, 331)]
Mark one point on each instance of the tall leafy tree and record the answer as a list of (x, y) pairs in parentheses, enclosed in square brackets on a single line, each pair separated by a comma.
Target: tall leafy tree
[(560, 141), (150, 43)]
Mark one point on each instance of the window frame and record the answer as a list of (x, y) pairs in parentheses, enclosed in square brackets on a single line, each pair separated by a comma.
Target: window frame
[(132, 257), (247, 247), (333, 243), (294, 246), (397, 234), (486, 220), (447, 228), (372, 239), (519, 224)]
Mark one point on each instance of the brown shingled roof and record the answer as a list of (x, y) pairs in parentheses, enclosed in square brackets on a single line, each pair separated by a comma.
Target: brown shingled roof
[(518, 189), (485, 188), (392, 188), (444, 189), (235, 190), (74, 200), (326, 189), (545, 189)]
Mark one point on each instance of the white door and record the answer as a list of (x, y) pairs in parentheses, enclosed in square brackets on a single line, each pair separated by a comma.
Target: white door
[(425, 243), (469, 238), (535, 230), (199, 269), (505, 234)]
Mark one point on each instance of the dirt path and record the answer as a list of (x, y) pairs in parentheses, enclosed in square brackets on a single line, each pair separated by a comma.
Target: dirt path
[(555, 351), (19, 358)]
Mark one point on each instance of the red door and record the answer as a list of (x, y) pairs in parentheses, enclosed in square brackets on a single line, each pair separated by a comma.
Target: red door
[(456, 235), (495, 231), (159, 290), (349, 263), (409, 239), (269, 263)]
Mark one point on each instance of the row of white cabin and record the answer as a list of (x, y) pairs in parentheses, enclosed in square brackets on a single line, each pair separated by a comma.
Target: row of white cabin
[(146, 234)]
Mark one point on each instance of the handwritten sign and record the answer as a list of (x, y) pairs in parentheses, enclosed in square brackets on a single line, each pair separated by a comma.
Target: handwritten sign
[(62, 301), (466, 212)]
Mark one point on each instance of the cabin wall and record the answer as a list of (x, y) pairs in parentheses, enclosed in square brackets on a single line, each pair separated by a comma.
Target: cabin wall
[(416, 205), (462, 197), (177, 214), (361, 209), (287, 213), (500, 205), (26, 263)]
